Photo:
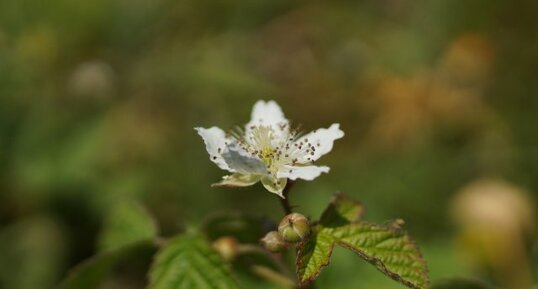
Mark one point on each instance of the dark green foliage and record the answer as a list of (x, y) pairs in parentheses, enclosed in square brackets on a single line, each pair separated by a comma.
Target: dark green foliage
[(91, 273)]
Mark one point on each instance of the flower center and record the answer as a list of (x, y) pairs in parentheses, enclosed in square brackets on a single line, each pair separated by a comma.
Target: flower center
[(266, 155), (274, 145), (269, 144)]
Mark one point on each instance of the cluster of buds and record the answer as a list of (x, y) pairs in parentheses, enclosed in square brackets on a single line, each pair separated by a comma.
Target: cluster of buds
[(292, 229)]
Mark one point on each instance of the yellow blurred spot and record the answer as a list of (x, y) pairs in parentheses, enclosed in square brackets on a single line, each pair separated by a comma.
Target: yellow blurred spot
[(495, 218)]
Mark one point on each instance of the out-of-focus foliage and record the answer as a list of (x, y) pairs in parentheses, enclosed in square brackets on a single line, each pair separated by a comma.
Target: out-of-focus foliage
[(98, 100), (127, 223), (94, 272), (461, 284), (245, 228), (31, 254), (189, 262)]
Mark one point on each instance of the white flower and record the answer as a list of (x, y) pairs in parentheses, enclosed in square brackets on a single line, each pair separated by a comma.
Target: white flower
[(267, 150)]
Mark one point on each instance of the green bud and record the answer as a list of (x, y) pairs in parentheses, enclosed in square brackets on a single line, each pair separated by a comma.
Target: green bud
[(227, 247), (294, 228), (273, 242)]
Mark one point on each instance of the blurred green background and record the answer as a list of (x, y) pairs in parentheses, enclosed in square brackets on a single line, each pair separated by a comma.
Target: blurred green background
[(98, 100)]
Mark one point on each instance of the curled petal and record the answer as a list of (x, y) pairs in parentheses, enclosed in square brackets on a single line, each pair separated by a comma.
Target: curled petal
[(321, 140), (238, 180), (215, 144), (274, 185), (302, 172), (267, 114), (242, 162)]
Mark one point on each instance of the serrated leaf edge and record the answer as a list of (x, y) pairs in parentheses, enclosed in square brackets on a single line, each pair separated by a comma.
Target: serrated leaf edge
[(298, 262), (167, 243), (392, 226)]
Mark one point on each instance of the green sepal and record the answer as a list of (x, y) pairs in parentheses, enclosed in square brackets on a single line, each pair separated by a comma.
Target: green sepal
[(274, 185), (237, 180)]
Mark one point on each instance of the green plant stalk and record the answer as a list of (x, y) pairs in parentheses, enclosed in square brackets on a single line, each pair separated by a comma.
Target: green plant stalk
[(288, 209), (273, 276)]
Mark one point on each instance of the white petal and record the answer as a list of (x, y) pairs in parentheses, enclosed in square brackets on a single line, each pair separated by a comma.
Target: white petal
[(238, 180), (267, 114), (322, 140), (302, 172), (215, 143), (242, 162), (273, 185)]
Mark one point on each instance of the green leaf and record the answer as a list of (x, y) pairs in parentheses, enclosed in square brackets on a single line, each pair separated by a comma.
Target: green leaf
[(313, 255), (127, 223), (189, 262), (91, 273), (341, 210), (387, 247)]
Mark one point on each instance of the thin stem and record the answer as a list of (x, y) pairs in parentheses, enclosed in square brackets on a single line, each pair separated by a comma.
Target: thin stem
[(284, 201), (273, 276), (277, 260)]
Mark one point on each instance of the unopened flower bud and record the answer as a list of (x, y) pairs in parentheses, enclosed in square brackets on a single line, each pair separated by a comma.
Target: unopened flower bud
[(273, 242), (227, 247), (294, 228)]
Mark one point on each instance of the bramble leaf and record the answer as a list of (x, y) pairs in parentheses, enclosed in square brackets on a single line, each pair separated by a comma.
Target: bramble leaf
[(388, 247), (313, 255), (342, 210), (127, 223), (189, 262)]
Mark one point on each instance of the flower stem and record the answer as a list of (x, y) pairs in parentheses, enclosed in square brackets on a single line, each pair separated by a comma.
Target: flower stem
[(285, 201), (273, 276), (277, 259)]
